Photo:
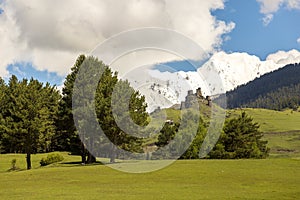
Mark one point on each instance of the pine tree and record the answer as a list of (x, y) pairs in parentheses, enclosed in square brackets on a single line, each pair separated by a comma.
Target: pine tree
[(116, 103), (3, 102), (105, 87), (241, 139), (28, 116), (68, 139)]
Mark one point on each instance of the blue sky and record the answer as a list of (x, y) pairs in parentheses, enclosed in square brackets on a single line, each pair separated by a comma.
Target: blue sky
[(252, 36), (249, 35), (26, 70)]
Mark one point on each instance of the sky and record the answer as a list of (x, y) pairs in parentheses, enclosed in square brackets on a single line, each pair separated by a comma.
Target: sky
[(253, 34), (42, 39)]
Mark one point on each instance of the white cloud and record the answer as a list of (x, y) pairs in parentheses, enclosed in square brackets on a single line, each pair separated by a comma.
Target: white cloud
[(51, 33), (267, 19), (298, 40), (268, 7), (285, 57), (293, 4)]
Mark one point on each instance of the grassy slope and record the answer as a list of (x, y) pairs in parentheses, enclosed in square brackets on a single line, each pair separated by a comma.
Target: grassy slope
[(281, 129), (269, 120), (272, 121), (190, 179)]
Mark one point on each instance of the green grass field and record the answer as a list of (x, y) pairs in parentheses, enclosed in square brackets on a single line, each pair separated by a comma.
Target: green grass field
[(185, 179)]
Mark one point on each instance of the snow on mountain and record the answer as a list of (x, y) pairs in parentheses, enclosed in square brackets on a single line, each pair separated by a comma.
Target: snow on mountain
[(221, 73), (239, 68), (163, 89)]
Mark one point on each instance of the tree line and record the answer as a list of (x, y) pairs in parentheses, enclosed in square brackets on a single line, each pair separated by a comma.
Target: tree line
[(28, 116), (37, 118)]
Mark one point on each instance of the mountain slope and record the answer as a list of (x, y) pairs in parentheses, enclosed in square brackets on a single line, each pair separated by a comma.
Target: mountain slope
[(276, 90), (222, 72)]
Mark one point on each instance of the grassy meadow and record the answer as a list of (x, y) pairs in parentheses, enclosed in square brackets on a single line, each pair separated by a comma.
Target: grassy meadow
[(185, 179), (270, 120), (277, 177)]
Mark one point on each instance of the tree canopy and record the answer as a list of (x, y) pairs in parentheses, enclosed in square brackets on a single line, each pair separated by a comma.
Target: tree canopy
[(241, 138)]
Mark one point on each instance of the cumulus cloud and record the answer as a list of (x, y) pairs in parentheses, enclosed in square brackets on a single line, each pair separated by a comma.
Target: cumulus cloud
[(285, 57), (51, 33), (269, 7)]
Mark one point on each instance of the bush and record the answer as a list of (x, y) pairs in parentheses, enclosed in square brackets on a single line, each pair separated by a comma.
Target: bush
[(241, 138), (13, 165), (51, 158)]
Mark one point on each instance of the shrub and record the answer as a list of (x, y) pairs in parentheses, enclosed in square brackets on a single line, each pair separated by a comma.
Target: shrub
[(51, 158), (13, 165)]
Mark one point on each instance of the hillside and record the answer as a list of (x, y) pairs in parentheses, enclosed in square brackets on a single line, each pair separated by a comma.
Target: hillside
[(281, 129), (277, 90)]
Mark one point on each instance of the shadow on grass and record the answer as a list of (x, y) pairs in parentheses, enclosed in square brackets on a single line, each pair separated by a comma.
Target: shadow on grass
[(78, 163), (16, 170)]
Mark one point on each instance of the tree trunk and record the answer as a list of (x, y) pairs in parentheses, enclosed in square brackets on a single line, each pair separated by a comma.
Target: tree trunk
[(91, 158), (113, 153), (83, 156), (147, 156), (28, 160), (28, 149)]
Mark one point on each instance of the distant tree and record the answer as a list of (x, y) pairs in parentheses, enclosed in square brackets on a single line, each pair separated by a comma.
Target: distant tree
[(186, 136), (194, 149), (241, 138), (167, 133)]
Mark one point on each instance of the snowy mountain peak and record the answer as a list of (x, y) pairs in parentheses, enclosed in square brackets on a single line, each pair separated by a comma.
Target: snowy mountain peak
[(221, 73), (239, 68)]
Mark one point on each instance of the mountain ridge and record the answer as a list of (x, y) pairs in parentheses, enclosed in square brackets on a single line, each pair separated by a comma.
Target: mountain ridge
[(276, 90), (221, 73)]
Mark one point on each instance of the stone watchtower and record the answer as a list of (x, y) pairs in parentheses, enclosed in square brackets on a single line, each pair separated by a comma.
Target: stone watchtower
[(191, 99), (199, 93)]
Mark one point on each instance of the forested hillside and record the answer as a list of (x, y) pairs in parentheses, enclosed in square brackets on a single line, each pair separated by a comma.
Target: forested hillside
[(277, 90)]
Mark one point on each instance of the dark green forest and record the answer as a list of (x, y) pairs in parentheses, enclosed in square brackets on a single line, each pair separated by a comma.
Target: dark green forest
[(36, 118), (276, 90)]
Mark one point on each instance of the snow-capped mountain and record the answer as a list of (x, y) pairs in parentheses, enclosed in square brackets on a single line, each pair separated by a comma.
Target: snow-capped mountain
[(221, 73), (239, 68)]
